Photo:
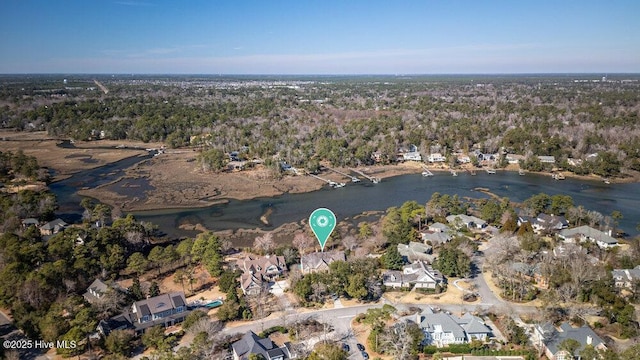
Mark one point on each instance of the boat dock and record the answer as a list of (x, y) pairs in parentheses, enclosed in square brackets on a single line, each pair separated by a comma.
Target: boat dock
[(426, 171), (333, 184), (353, 178), (453, 172), (370, 178)]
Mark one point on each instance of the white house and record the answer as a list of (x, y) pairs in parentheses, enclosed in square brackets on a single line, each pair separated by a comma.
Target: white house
[(418, 275), (442, 329), (436, 157), (587, 233)]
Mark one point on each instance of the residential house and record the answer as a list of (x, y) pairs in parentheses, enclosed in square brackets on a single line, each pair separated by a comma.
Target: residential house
[(418, 275), (251, 343), (119, 322), (436, 157), (464, 159), (252, 284), (547, 159), (258, 271), (514, 158), (96, 291), (470, 222), (53, 227), (626, 278), (439, 227), (587, 233), (415, 251), (433, 238), (549, 340), (166, 309), (412, 154), (319, 261), (30, 222), (544, 223), (442, 329)]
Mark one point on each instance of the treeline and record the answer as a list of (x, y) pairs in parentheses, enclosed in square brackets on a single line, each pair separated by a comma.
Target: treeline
[(345, 122)]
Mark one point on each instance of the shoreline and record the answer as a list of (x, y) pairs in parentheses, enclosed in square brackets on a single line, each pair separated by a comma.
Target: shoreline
[(188, 188)]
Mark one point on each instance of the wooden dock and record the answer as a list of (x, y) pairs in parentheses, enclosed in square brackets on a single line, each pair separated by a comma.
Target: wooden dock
[(370, 178), (352, 178), (331, 183), (426, 171)]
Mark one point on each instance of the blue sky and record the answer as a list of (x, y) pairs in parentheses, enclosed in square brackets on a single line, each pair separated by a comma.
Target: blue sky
[(319, 36)]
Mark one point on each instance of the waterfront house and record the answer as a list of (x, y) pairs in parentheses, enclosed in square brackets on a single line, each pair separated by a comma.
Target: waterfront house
[(436, 157), (268, 267), (319, 261), (265, 348), (544, 223), (587, 233), (547, 159), (259, 271), (470, 222)]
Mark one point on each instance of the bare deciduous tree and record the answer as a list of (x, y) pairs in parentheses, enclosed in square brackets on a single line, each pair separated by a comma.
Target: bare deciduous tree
[(264, 243)]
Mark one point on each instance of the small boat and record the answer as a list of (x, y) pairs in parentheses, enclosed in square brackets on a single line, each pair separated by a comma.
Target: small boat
[(491, 171), (558, 176), (521, 172), (606, 181), (427, 173)]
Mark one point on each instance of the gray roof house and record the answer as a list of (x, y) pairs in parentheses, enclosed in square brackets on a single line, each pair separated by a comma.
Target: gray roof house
[(165, 309), (53, 227), (96, 290), (30, 222), (584, 233), (251, 343), (626, 278), (442, 329), (417, 275), (119, 322), (471, 222), (550, 339), (547, 223), (439, 227), (435, 237), (258, 271), (415, 251), (319, 261)]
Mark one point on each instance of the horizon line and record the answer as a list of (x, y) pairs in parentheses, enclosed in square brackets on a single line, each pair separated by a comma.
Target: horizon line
[(605, 73)]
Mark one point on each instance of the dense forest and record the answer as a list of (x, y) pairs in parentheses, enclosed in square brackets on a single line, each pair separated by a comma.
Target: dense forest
[(346, 120)]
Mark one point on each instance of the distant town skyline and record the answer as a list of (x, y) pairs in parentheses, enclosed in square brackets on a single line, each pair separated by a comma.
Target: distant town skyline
[(319, 37)]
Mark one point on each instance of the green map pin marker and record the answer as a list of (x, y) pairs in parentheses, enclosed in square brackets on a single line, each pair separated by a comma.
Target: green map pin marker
[(322, 222)]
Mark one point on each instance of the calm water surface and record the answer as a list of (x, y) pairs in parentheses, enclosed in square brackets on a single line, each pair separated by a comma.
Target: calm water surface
[(357, 198)]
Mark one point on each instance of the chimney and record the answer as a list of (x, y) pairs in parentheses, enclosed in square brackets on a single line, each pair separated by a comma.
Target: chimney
[(589, 339)]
